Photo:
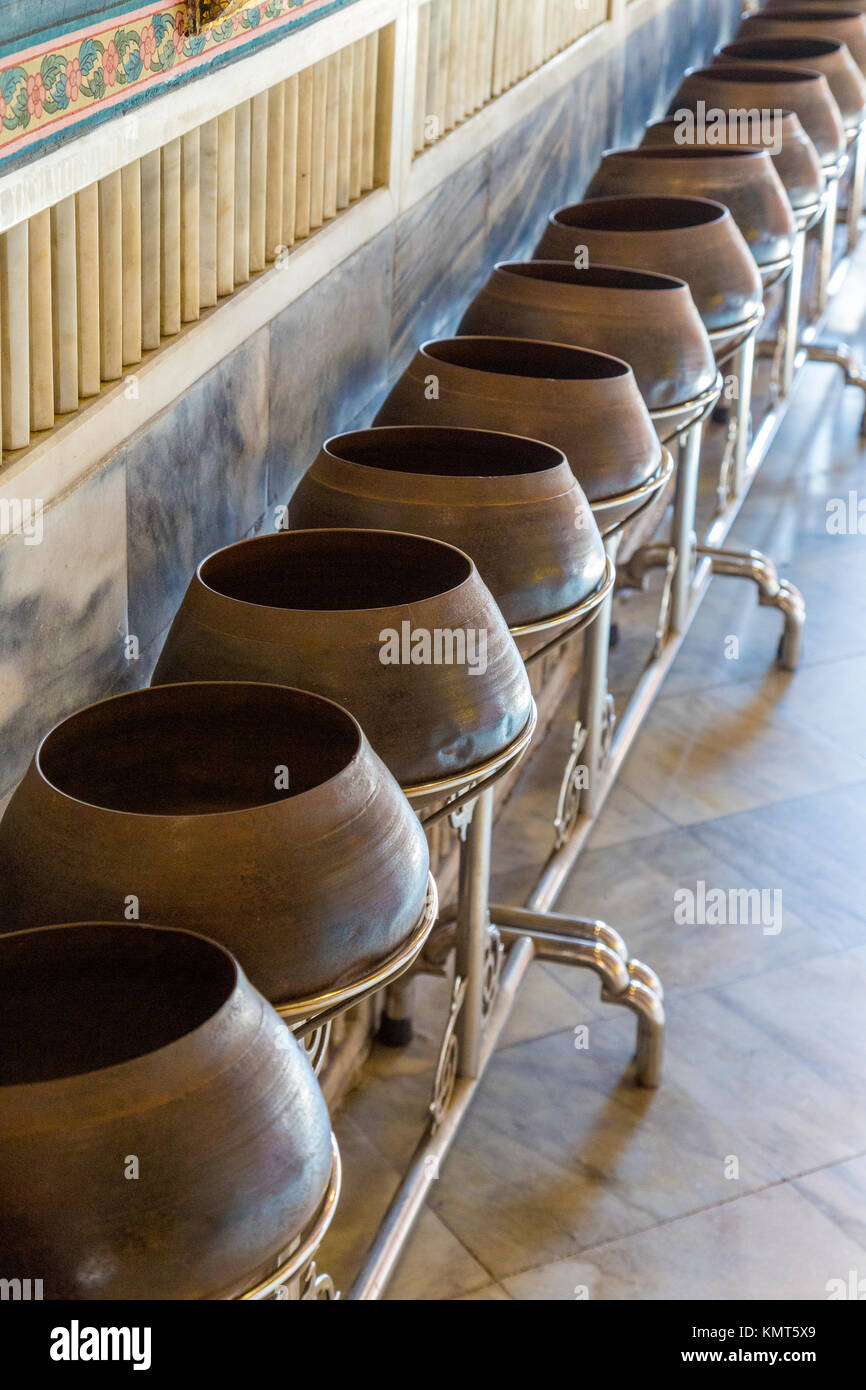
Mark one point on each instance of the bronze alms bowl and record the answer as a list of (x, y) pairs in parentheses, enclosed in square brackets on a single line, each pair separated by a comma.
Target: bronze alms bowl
[(779, 20), (399, 628), (743, 180), (693, 238), (746, 85), (162, 1135), (796, 161), (513, 504), (826, 56), (585, 403), (255, 813), (648, 320)]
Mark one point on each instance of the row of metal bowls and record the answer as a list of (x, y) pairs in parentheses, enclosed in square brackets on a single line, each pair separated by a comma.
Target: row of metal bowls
[(226, 801)]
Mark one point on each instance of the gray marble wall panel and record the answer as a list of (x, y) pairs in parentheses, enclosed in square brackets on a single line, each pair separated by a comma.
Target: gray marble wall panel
[(63, 616), (530, 171), (440, 259), (646, 72), (195, 481), (328, 361)]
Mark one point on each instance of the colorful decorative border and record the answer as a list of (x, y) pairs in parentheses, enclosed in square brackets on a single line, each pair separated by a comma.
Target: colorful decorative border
[(57, 84)]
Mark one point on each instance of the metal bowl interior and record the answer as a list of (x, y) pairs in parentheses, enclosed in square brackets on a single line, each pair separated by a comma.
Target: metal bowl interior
[(333, 570), (198, 749), (638, 212), (92, 995)]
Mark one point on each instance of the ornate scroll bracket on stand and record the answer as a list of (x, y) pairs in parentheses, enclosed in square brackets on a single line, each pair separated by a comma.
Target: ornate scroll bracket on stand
[(316, 1044), (317, 1287), (568, 801), (446, 1067), (574, 778)]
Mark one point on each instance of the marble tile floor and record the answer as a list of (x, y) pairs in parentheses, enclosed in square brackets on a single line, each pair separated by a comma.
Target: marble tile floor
[(744, 1175)]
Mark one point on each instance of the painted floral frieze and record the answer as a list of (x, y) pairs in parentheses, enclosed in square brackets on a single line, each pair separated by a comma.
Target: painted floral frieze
[(75, 76)]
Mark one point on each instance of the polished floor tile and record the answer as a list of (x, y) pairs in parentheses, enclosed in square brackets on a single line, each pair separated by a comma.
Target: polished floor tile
[(436, 1265), (769, 1245)]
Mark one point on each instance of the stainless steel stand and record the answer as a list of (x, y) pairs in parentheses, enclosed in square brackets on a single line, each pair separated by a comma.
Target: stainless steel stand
[(856, 186), (493, 947), (833, 176)]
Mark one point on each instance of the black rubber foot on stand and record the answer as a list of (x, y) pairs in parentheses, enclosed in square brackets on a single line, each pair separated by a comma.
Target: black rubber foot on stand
[(721, 415), (395, 1032)]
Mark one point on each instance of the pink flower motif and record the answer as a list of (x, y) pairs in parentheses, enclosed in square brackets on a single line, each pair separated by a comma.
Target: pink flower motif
[(35, 94), (110, 63), (178, 37), (73, 78), (147, 47), (2, 107)]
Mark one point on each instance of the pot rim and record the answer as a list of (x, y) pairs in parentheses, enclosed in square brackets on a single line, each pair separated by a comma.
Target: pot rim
[(789, 116), (768, 73), (821, 48), (807, 13), (556, 458), (280, 537), (713, 212), (671, 152), (163, 816), (525, 270), (622, 374), (9, 1091)]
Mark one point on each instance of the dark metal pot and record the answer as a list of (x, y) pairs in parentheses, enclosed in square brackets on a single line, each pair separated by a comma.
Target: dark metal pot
[(845, 25), (694, 238), (749, 86), (162, 1135), (797, 162), (317, 608), (831, 59), (513, 503), (648, 320), (585, 403), (743, 180), (177, 795)]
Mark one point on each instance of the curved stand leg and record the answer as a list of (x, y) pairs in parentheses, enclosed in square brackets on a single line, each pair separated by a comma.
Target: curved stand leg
[(650, 1029), (773, 592), (841, 356)]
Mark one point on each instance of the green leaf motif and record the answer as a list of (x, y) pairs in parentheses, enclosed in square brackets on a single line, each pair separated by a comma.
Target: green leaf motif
[(9, 81), (89, 54), (95, 88), (19, 106), (53, 66), (162, 27)]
